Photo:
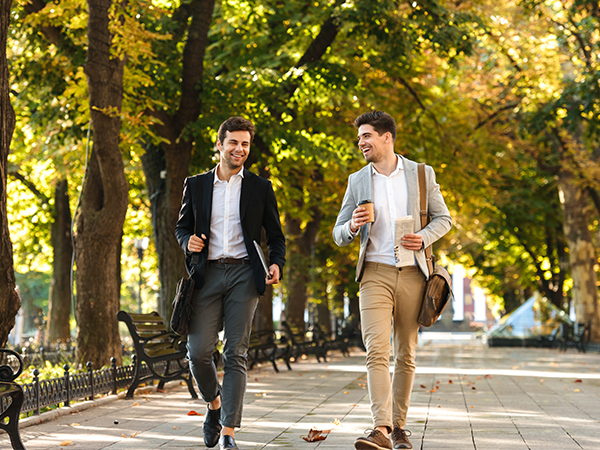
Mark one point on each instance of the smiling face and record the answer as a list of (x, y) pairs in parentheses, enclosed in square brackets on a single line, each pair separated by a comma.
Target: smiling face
[(374, 146), (234, 149)]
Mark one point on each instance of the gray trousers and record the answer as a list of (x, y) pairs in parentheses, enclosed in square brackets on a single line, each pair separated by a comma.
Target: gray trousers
[(229, 296)]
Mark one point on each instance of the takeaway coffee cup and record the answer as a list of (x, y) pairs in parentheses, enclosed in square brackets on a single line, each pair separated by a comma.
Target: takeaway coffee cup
[(368, 205)]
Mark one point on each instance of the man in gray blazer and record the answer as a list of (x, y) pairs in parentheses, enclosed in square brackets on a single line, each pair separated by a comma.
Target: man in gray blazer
[(386, 291)]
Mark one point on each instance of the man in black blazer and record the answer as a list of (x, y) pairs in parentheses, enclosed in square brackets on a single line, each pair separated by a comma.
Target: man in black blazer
[(222, 212)]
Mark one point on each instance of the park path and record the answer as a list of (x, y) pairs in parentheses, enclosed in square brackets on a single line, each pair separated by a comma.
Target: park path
[(466, 396)]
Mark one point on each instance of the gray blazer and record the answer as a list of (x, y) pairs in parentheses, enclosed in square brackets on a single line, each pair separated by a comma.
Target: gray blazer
[(360, 187)]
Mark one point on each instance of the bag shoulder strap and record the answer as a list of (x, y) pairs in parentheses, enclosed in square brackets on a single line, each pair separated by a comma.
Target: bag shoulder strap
[(423, 212)]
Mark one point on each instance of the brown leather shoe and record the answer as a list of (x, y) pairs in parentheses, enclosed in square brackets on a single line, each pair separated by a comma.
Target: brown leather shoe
[(375, 440), (400, 438)]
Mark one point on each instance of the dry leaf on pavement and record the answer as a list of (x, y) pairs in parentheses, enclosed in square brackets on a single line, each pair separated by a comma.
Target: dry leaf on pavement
[(316, 435)]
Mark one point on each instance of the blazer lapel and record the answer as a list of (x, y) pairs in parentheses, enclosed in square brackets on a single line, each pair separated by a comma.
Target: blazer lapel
[(247, 184), (207, 191)]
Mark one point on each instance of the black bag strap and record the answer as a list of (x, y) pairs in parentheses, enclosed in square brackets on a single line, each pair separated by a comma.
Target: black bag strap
[(198, 196), (424, 213)]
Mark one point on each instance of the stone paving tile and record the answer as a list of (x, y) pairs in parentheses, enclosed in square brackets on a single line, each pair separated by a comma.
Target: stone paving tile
[(464, 397)]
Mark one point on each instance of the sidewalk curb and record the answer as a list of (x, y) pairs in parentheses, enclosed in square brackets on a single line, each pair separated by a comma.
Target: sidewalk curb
[(82, 406)]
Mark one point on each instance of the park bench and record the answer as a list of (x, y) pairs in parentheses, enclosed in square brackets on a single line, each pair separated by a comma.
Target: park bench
[(574, 337), (340, 342), (264, 346), (11, 396), (303, 343), (163, 352)]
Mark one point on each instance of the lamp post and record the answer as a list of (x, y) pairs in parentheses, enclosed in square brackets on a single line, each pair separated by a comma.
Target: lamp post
[(140, 245)]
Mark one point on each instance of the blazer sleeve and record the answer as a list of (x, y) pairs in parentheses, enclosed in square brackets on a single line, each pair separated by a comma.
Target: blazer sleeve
[(440, 219), (272, 226), (341, 231), (186, 222)]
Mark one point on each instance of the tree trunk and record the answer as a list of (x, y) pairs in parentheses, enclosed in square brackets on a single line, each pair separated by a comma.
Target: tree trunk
[(263, 319), (298, 266), (9, 299), (177, 154), (577, 217), (59, 305), (103, 203), (324, 316)]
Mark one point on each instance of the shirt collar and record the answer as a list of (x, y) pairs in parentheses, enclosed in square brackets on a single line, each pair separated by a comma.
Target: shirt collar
[(399, 167), (218, 180)]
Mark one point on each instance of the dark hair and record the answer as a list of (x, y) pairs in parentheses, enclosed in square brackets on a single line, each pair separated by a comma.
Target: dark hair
[(380, 121), (236, 124)]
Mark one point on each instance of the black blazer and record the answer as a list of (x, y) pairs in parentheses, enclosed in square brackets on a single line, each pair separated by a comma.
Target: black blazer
[(258, 209)]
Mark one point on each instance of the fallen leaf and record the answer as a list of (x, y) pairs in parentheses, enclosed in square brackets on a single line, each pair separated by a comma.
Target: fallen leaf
[(346, 392), (542, 380), (74, 424), (256, 379), (147, 399), (577, 381), (423, 386), (450, 381), (479, 378), (65, 443), (193, 413), (336, 422), (439, 406), (136, 404), (162, 391), (490, 377), (132, 436), (577, 390), (473, 388), (316, 435), (177, 428)]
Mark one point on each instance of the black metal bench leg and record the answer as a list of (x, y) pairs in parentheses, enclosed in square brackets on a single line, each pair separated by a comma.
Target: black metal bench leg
[(134, 383), (272, 358), (190, 384), (12, 427)]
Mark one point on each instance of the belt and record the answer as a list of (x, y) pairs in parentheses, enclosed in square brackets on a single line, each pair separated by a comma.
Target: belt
[(229, 261)]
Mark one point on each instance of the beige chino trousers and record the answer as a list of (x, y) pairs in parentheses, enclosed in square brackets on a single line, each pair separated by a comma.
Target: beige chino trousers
[(390, 300)]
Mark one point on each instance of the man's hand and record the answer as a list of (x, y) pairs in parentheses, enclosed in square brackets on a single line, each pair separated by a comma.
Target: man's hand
[(359, 217), (196, 244), (275, 275), (412, 242)]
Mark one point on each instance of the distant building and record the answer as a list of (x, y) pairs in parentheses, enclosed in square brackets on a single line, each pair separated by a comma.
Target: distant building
[(469, 310)]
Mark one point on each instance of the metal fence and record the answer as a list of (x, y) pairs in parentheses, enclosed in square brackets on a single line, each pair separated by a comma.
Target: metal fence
[(75, 386)]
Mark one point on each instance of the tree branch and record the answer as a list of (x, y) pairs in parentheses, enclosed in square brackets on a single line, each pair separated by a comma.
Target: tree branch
[(193, 63), (321, 43), (595, 197), (495, 114), (52, 33), (29, 185)]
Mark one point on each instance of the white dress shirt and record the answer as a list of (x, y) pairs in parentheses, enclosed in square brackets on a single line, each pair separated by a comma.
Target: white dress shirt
[(390, 201), (226, 238)]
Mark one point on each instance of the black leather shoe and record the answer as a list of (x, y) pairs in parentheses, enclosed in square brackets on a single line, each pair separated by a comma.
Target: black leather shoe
[(227, 443), (212, 427)]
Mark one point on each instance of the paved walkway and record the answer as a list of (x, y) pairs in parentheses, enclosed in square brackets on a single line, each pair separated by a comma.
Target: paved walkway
[(465, 397)]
